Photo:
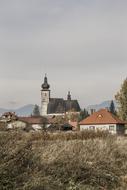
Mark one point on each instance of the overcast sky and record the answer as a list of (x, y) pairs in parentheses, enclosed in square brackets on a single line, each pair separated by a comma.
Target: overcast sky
[(80, 44)]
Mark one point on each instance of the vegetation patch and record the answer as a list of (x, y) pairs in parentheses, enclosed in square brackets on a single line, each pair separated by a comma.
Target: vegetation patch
[(67, 161)]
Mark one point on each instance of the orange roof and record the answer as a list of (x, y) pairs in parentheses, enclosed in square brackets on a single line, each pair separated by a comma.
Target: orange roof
[(103, 116)]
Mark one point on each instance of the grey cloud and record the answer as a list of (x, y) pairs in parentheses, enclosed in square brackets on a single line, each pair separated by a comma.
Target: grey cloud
[(85, 41)]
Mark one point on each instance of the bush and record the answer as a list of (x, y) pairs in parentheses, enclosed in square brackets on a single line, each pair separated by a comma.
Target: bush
[(66, 161)]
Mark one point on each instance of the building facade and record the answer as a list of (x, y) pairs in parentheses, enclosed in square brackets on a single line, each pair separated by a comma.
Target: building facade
[(56, 106), (103, 120)]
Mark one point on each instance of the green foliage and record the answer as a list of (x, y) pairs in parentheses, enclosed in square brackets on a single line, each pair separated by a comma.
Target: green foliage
[(112, 108), (83, 114), (36, 111), (121, 99)]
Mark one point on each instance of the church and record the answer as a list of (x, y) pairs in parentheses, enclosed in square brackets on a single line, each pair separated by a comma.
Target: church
[(56, 106)]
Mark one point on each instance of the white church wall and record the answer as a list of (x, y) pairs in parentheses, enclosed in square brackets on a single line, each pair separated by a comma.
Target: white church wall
[(45, 95)]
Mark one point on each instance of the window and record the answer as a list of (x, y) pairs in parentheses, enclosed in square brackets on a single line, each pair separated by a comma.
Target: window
[(103, 128), (111, 127), (92, 127)]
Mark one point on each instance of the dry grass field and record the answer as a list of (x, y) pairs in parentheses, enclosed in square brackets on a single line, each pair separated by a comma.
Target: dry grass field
[(63, 161)]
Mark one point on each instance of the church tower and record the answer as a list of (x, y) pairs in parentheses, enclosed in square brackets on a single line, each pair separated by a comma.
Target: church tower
[(69, 96), (45, 96)]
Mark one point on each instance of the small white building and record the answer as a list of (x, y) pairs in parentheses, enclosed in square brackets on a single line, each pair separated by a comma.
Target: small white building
[(16, 125), (103, 120), (35, 122), (11, 121)]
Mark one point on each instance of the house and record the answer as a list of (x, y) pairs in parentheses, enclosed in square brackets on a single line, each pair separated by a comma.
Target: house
[(12, 121), (16, 124), (103, 120), (35, 122)]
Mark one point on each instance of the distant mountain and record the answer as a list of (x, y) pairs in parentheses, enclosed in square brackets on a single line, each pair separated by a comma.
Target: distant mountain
[(105, 104), (2, 110), (28, 109), (23, 111)]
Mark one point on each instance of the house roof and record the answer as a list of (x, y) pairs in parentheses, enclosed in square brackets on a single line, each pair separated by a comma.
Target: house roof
[(74, 124), (33, 120), (103, 116)]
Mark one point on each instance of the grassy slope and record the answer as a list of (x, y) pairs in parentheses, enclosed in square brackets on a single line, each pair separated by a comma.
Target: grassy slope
[(53, 162)]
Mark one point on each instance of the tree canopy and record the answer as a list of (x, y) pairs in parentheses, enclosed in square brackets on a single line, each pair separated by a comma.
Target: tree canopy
[(36, 111), (83, 114), (112, 108), (121, 98)]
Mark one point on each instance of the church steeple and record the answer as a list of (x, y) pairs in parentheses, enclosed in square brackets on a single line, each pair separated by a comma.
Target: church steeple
[(45, 85), (45, 96), (69, 96)]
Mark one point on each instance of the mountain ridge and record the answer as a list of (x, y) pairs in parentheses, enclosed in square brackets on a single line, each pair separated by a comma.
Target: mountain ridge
[(105, 104), (27, 110)]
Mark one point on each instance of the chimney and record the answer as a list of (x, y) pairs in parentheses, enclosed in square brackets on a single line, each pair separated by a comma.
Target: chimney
[(92, 111)]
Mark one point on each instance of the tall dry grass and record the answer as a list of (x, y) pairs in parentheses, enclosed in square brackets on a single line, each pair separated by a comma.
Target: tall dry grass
[(66, 161)]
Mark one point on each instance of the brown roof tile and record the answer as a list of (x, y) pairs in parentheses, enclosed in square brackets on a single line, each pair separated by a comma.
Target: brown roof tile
[(103, 116), (33, 120)]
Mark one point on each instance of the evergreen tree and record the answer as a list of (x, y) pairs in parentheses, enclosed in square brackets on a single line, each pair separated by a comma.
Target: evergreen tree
[(36, 111), (121, 99), (112, 108), (83, 114), (86, 114)]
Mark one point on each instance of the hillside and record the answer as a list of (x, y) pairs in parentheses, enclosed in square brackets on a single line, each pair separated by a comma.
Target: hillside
[(22, 111), (105, 104)]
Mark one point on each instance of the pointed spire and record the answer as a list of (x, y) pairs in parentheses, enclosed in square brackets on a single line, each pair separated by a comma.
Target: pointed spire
[(45, 79), (69, 96)]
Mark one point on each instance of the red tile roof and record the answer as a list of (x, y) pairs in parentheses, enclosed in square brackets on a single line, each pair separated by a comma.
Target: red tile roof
[(103, 116), (33, 120)]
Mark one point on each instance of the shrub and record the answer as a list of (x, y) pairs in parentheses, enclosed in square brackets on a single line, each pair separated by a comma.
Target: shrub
[(66, 161)]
